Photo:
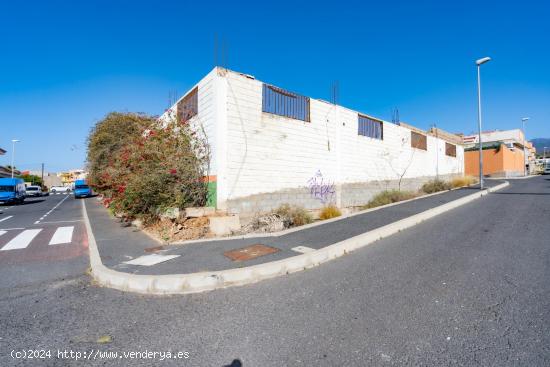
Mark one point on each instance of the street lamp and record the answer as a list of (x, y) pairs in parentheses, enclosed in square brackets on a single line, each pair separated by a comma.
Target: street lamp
[(479, 63), (525, 157), (544, 154), (13, 141)]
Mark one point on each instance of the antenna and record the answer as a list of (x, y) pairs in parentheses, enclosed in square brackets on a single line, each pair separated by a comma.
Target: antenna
[(335, 92), (395, 116)]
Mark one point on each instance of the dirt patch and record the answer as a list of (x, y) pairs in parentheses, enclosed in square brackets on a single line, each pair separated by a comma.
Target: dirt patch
[(186, 229)]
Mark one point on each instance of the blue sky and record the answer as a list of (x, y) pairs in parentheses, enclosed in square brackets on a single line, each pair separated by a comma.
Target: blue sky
[(65, 64)]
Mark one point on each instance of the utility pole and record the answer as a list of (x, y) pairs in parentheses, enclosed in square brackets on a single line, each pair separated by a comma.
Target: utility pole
[(42, 184)]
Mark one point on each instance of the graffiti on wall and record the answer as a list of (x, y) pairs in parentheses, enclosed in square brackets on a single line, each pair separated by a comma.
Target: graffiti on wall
[(321, 189)]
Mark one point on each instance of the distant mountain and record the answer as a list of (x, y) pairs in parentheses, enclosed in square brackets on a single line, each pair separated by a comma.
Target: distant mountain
[(540, 143)]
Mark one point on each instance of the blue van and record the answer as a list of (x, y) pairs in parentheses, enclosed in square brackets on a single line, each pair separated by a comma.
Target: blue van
[(12, 191), (81, 189)]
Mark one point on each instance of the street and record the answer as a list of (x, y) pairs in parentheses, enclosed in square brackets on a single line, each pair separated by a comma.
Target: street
[(41, 241), (469, 287)]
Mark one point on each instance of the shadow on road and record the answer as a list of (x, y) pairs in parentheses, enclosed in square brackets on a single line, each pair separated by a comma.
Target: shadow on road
[(26, 202), (235, 363)]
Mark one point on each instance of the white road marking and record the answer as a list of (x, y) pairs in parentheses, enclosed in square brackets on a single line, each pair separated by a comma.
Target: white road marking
[(3, 219), (62, 235), (2, 232), (63, 221), (51, 210), (22, 240), (303, 249), (10, 229), (148, 260)]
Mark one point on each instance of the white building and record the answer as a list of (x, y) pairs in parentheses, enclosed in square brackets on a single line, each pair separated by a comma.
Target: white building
[(271, 146)]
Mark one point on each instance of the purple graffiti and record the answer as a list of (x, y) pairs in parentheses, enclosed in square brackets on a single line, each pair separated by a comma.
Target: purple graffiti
[(321, 189)]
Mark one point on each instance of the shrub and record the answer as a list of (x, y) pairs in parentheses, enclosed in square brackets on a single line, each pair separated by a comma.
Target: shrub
[(330, 211), (435, 186), (154, 167), (388, 197), (295, 215), (463, 181)]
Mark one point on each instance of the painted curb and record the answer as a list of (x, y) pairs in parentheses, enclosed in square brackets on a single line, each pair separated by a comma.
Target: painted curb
[(207, 281)]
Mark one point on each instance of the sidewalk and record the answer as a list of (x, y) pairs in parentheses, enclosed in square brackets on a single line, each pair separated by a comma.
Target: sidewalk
[(117, 245)]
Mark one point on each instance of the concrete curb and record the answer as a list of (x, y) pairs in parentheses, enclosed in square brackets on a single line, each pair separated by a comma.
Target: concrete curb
[(206, 281)]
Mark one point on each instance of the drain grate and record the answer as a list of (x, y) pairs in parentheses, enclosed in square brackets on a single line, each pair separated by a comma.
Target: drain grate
[(250, 252)]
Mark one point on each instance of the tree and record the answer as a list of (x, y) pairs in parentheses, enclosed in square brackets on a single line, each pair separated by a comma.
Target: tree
[(108, 137), (33, 179)]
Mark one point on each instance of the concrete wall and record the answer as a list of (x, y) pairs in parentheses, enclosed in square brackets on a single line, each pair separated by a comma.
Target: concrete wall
[(273, 159), (261, 160)]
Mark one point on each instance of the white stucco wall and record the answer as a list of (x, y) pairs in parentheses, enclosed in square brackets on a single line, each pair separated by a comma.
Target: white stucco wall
[(255, 152), (268, 153)]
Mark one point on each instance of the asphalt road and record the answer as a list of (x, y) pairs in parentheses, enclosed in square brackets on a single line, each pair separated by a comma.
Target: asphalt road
[(469, 287), (43, 240)]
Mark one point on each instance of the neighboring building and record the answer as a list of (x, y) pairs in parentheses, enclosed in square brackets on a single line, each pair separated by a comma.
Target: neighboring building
[(5, 171), (270, 146), (505, 154), (69, 177), (50, 179)]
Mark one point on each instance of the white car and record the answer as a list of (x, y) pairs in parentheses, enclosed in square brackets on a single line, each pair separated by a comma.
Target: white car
[(33, 191), (56, 189), (547, 169)]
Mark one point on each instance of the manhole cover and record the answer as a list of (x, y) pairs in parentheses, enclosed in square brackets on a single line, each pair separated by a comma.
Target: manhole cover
[(250, 252)]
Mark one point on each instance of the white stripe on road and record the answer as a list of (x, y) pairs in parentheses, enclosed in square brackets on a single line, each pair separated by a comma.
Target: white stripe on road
[(2, 232), (51, 210), (149, 260), (22, 240), (62, 235), (3, 219)]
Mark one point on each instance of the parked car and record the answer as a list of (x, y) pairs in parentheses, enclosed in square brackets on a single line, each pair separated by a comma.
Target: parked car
[(81, 189), (546, 169), (56, 189), (12, 191), (33, 191)]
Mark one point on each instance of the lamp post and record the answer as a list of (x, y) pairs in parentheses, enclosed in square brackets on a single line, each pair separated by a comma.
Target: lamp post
[(544, 154), (479, 63), (13, 141), (525, 156)]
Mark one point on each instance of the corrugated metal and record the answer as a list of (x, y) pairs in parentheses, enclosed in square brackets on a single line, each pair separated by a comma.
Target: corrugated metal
[(281, 102), (369, 127)]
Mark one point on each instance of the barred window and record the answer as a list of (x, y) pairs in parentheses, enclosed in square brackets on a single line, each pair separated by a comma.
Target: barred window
[(367, 126), (450, 149), (187, 107), (281, 102), (419, 141)]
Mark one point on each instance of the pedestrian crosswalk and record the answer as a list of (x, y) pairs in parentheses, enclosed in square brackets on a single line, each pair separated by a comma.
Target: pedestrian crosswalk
[(21, 239), (62, 235)]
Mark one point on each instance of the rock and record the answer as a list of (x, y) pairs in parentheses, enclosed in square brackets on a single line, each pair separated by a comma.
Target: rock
[(170, 213), (224, 225), (138, 223), (195, 212)]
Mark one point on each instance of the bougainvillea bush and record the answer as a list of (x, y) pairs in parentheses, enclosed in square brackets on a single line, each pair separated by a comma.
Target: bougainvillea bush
[(143, 166)]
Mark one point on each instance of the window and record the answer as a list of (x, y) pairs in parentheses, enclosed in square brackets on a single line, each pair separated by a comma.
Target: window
[(188, 106), (419, 141), (370, 127), (280, 102), (450, 150)]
